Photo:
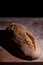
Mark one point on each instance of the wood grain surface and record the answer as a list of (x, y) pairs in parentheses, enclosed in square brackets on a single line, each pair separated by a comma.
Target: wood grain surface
[(36, 27)]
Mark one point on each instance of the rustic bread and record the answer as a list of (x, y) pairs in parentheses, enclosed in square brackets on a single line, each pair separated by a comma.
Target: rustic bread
[(25, 40)]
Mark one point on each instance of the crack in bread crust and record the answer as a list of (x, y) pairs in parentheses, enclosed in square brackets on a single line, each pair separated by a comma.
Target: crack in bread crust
[(32, 39)]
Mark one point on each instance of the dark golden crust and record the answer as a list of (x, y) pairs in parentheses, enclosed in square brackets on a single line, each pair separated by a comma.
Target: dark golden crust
[(23, 38), (18, 30)]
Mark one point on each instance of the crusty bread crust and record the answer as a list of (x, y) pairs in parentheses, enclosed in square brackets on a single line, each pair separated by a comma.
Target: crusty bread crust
[(23, 37)]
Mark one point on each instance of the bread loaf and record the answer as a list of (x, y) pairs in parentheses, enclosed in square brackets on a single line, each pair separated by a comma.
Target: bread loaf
[(25, 41)]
